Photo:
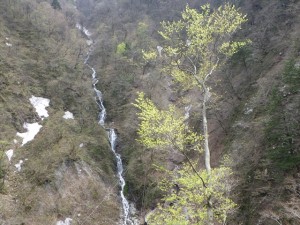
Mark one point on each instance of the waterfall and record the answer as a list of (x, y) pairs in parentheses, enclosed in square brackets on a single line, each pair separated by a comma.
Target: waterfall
[(99, 99), (125, 204), (126, 220)]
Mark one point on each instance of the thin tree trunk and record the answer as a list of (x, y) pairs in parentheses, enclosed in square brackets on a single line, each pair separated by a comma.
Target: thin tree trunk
[(205, 132), (207, 153)]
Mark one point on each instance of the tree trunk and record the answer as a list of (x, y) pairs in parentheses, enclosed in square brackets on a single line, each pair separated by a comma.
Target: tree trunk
[(207, 153), (205, 131)]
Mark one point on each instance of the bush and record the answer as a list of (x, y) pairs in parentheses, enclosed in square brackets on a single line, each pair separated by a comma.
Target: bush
[(121, 48)]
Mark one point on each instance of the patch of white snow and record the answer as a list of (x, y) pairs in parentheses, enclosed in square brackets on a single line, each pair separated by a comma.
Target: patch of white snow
[(66, 222), (9, 153), (32, 130), (81, 145), (8, 44), (40, 105), (18, 165), (15, 141), (68, 115)]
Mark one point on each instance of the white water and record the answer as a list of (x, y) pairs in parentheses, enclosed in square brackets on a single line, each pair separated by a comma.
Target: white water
[(126, 220), (125, 203), (99, 98)]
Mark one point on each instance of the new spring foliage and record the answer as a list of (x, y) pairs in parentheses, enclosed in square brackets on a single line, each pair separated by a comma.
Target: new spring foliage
[(163, 128)]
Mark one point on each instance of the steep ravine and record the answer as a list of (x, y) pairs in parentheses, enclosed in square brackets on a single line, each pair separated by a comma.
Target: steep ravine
[(239, 115), (128, 209), (72, 171)]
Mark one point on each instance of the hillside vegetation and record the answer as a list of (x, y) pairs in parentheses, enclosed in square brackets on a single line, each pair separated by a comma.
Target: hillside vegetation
[(68, 168), (253, 117)]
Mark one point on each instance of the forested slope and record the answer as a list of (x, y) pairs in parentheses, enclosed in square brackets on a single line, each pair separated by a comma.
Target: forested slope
[(67, 170), (254, 117)]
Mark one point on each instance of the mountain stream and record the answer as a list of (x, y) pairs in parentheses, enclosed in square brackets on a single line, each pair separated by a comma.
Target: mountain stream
[(127, 209)]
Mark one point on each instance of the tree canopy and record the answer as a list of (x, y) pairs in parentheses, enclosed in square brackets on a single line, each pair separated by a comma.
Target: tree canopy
[(164, 128), (200, 42)]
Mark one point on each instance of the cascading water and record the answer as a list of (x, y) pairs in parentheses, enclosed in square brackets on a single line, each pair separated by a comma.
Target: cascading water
[(99, 99), (125, 204), (126, 220)]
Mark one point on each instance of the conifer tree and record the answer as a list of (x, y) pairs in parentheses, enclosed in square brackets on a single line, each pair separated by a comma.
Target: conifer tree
[(56, 5)]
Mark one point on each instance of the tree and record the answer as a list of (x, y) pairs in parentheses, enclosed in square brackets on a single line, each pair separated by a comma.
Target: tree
[(165, 129), (187, 202), (195, 47), (56, 5), (121, 48), (168, 130)]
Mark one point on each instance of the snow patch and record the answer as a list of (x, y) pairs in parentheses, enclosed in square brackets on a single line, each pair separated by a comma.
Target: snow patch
[(81, 145), (8, 44), (9, 153), (18, 165), (15, 141), (32, 130), (68, 115), (40, 105), (66, 222)]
